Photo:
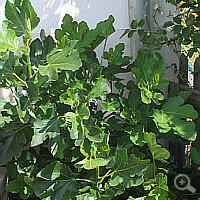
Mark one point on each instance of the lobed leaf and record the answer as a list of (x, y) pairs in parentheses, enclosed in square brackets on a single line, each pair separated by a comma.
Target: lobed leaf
[(55, 181), (158, 153), (19, 16), (44, 128), (128, 171), (64, 60), (11, 146), (172, 117)]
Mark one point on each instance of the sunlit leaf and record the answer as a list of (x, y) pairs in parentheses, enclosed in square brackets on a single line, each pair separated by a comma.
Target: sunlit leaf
[(172, 117), (63, 60), (157, 151)]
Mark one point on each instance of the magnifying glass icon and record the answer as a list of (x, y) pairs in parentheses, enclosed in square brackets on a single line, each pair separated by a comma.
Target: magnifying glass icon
[(182, 181)]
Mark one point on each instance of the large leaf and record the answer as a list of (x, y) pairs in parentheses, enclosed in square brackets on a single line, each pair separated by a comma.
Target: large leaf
[(44, 128), (111, 106), (172, 117), (144, 65), (134, 98), (36, 52), (88, 196), (64, 60), (157, 151), (55, 181), (22, 17), (24, 108), (92, 131), (33, 92), (136, 135), (128, 171), (11, 146), (107, 195), (72, 96), (87, 38), (105, 28), (4, 119), (48, 46), (58, 147), (69, 26), (26, 164), (10, 42), (116, 56)]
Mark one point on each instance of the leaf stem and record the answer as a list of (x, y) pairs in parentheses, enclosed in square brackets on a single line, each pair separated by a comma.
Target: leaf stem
[(86, 180), (103, 55), (22, 127), (106, 175), (147, 118), (148, 23), (29, 64), (154, 168), (97, 176), (35, 73), (20, 79)]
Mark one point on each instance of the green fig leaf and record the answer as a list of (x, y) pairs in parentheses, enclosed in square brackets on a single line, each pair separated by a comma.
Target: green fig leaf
[(172, 115), (44, 128), (63, 60), (127, 170), (54, 181), (22, 17), (157, 151)]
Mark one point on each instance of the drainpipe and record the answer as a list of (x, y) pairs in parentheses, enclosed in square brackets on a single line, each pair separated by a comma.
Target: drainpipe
[(137, 11)]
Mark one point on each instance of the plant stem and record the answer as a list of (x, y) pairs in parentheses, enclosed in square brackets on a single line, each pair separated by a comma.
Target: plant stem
[(103, 55), (147, 118), (35, 73), (22, 127), (97, 176), (86, 180), (29, 64), (154, 168), (148, 24), (106, 175)]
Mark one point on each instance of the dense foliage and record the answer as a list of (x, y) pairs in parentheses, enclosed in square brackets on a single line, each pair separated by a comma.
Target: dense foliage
[(66, 137)]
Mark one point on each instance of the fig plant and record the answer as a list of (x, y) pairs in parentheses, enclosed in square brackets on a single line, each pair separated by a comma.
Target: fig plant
[(65, 136)]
